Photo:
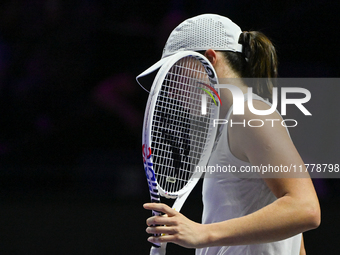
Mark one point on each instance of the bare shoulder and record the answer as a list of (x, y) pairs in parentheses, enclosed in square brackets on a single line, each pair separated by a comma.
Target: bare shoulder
[(254, 124), (268, 144), (252, 133)]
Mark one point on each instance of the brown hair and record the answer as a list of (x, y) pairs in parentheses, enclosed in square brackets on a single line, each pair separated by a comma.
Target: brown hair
[(258, 60)]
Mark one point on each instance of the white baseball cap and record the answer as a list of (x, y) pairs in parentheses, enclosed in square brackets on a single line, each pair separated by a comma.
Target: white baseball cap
[(202, 32)]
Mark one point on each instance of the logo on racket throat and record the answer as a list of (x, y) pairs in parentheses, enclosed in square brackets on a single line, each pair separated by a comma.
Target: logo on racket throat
[(146, 152), (204, 97), (150, 174), (148, 164)]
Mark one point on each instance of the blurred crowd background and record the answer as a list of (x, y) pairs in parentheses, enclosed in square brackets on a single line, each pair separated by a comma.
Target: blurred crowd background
[(71, 112)]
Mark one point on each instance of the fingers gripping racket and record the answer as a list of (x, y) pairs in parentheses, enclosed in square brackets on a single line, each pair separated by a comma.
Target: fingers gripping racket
[(178, 132)]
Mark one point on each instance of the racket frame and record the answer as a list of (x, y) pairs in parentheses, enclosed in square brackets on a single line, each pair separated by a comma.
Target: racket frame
[(154, 188)]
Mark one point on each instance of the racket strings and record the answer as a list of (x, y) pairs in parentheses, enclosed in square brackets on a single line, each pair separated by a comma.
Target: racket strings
[(180, 133)]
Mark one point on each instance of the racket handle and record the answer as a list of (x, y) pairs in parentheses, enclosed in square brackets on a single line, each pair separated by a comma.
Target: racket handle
[(158, 251), (156, 245)]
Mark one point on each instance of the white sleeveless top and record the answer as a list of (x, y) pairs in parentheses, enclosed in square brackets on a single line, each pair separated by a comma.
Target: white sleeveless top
[(228, 195)]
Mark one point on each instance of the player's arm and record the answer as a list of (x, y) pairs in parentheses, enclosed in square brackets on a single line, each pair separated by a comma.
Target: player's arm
[(296, 210)]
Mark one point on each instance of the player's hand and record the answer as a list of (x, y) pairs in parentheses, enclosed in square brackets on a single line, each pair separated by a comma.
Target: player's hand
[(174, 226)]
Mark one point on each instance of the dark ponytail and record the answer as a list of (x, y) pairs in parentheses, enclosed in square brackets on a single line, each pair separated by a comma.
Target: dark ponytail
[(258, 60)]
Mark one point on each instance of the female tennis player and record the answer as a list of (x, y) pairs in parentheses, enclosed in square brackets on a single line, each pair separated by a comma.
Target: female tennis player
[(243, 214)]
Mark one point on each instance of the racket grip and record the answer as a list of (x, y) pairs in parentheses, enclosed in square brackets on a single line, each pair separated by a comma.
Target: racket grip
[(158, 251), (156, 245)]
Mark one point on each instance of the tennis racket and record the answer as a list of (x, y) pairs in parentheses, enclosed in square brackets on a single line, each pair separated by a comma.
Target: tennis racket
[(178, 132)]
